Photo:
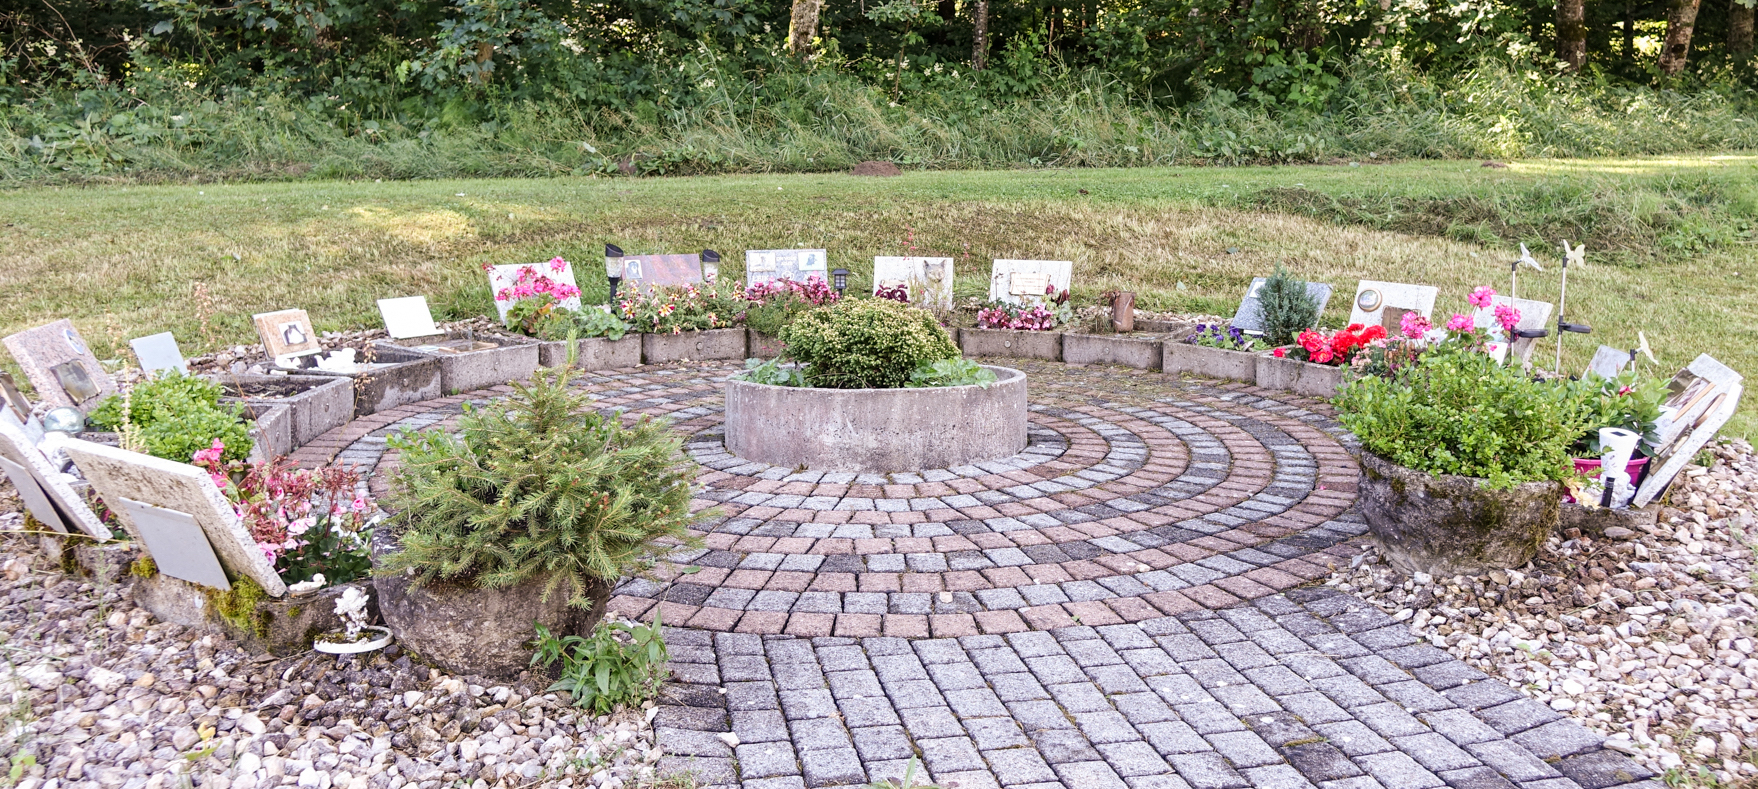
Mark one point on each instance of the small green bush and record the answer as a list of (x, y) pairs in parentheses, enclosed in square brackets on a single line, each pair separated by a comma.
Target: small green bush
[(866, 344), (620, 665), (1287, 308), (1459, 412), (542, 317), (173, 416), (950, 372)]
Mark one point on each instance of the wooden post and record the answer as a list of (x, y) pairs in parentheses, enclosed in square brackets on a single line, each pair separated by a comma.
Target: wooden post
[(1123, 311)]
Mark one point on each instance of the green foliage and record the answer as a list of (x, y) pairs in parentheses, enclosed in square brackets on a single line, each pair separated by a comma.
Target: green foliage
[(539, 485), (237, 606), (341, 555), (173, 416), (866, 344), (620, 665), (541, 316), (1287, 307), (1458, 412), (681, 308), (776, 312), (773, 373), (950, 372), (1628, 400)]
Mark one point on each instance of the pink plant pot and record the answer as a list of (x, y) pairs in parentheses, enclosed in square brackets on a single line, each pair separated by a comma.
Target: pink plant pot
[(1590, 467)]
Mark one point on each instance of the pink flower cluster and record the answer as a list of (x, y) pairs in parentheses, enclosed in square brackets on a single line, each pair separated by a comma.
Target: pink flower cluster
[(1414, 326), (1034, 318), (1459, 322), (814, 290), (1481, 297), (531, 282), (1508, 317), (280, 503)]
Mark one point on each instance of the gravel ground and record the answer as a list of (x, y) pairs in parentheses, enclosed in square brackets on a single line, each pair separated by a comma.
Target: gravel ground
[(95, 693), (1645, 636)]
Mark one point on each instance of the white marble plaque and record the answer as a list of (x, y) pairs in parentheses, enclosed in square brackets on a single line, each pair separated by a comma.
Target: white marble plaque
[(1372, 298), (158, 352), (60, 366), (18, 446), (1024, 281), (502, 279), (769, 265), (177, 544), (36, 502), (118, 474), (407, 317), (928, 280), (1249, 318), (1533, 315)]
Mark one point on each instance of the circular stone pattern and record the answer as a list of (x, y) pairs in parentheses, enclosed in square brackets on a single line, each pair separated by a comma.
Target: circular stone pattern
[(877, 430), (1137, 496)]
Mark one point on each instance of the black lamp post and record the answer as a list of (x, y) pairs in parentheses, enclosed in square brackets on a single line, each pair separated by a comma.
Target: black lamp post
[(840, 279), (710, 265), (613, 270)]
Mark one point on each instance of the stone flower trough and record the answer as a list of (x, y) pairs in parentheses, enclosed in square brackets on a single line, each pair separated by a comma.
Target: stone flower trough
[(383, 385), (318, 403), (1011, 344), (1142, 353), (468, 361), (693, 346), (762, 346), (877, 430), (1201, 360), (1302, 378), (594, 353), (1447, 525)]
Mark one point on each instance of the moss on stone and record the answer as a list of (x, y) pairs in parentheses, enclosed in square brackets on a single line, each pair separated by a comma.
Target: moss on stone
[(144, 567), (238, 607)]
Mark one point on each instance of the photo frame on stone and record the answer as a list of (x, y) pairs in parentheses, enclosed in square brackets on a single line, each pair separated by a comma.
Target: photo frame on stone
[(407, 317), (646, 272), (1249, 318), (1533, 315), (1373, 298), (158, 353), (286, 333), (34, 470), (117, 474), (502, 279), (797, 265), (1710, 408), (1024, 282), (927, 280), (60, 365)]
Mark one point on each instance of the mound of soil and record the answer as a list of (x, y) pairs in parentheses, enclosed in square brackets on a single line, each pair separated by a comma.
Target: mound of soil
[(884, 169)]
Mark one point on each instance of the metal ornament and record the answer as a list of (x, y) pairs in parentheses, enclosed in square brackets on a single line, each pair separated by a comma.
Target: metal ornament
[(1578, 256), (1525, 258)]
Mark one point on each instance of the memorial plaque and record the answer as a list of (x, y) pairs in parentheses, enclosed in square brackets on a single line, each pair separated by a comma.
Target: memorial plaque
[(54, 357), (1025, 281), (76, 380), (287, 333), (177, 544), (159, 352), (1701, 399), (407, 317), (927, 280), (1249, 318), (36, 501), (19, 447), (502, 279), (1609, 362), (1372, 298), (647, 272), (798, 265)]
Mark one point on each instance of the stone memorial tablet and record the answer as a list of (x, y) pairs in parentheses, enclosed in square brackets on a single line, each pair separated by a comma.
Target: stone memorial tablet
[(647, 272), (1533, 315), (19, 447), (36, 501), (177, 544), (928, 281), (118, 474), (769, 265), (15, 400), (1609, 362), (1689, 394), (407, 317), (1373, 298), (1690, 436), (1025, 281), (159, 352), (1249, 318), (503, 280), (286, 333), (60, 366)]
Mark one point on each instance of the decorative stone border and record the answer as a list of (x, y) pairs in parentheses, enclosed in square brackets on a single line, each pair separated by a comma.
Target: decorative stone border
[(1184, 357), (1142, 353), (514, 359), (1011, 344), (382, 386), (1293, 375), (594, 353), (712, 344), (762, 346)]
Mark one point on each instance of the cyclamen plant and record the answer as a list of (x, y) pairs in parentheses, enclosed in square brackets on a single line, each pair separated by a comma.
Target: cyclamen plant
[(814, 291), (304, 521), (1230, 338), (1035, 317)]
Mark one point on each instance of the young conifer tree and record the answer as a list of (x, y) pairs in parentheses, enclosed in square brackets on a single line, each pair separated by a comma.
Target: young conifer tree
[(1287, 307)]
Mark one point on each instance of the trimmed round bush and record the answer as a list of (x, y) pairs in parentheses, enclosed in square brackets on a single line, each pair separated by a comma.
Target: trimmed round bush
[(865, 344)]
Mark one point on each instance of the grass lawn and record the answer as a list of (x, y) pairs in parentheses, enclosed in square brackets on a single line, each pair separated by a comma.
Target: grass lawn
[(1672, 242)]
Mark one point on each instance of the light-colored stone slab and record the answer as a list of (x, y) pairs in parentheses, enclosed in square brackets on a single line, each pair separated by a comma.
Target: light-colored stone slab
[(120, 474), (1721, 408), (1533, 315), (769, 265), (176, 543), (407, 317), (286, 333), (1609, 362), (502, 279), (928, 280), (1373, 297), (60, 366), (36, 502), (159, 352), (1024, 281), (18, 447), (1249, 318)]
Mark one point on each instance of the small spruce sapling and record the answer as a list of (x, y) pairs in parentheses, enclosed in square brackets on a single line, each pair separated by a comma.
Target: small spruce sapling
[(1286, 306)]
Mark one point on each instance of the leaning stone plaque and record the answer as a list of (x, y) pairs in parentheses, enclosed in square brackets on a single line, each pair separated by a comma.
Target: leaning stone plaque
[(20, 450), (60, 366), (647, 272), (1609, 362), (177, 544), (503, 282), (1026, 281), (1373, 298), (407, 317), (799, 265), (928, 281), (1700, 399), (159, 352), (287, 333), (1249, 318)]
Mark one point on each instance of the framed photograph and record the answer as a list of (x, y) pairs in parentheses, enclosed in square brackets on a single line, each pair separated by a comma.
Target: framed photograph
[(287, 333)]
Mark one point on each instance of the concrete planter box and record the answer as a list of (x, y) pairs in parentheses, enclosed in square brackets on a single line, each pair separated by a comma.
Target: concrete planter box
[(1447, 525), (319, 403), (693, 346), (271, 430), (1142, 353), (1301, 378), (279, 626), (1011, 344), (1179, 328), (877, 430), (466, 630), (382, 386), (762, 346), (468, 361), (1201, 360), (595, 353)]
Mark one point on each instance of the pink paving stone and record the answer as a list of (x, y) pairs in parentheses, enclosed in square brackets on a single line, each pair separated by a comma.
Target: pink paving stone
[(631, 607), (753, 544), (1024, 538), (1014, 509), (1208, 596), (981, 513), (790, 581), (793, 545), (748, 579), (965, 581), (906, 626), (672, 612), (762, 513), (720, 541), (720, 619), (952, 625), (832, 516), (879, 582), (872, 518), (810, 625), (923, 582), (873, 545), (833, 491), (1302, 569), (833, 582), (765, 486), (1085, 570), (944, 515), (797, 515), (834, 546), (1006, 577), (764, 622), (1048, 573), (989, 539), (965, 485), (955, 542), (1244, 588), (1171, 603), (991, 622), (857, 625), (910, 517), (1150, 519), (913, 544), (926, 489), (1156, 558), (711, 576), (1273, 578), (1062, 534), (1124, 564), (899, 492), (1093, 613)]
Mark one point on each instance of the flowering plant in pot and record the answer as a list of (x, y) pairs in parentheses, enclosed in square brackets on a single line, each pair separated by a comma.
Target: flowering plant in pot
[(1335, 348), (1043, 314), (775, 304), (1228, 338), (680, 308), (313, 524), (1628, 401)]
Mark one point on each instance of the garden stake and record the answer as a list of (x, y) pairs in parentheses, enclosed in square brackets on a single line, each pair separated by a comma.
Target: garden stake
[(1514, 273), (1578, 256)]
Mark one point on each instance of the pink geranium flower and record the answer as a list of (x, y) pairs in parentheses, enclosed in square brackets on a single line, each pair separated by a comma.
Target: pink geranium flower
[(1508, 317), (1413, 325), (1459, 323), (1481, 297)]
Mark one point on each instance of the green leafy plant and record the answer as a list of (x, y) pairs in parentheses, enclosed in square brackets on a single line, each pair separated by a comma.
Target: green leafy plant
[(1462, 413), (1286, 307), (682, 308), (776, 304), (950, 372), (174, 416), (866, 344), (620, 664), (1627, 400), (541, 316), (773, 373), (539, 486)]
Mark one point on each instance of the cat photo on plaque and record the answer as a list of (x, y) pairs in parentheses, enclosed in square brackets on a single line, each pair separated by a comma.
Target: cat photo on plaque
[(286, 333), (926, 280), (1026, 282)]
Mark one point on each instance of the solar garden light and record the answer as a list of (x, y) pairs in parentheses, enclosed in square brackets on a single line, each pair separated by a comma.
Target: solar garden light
[(710, 265), (613, 268), (64, 420), (840, 278)]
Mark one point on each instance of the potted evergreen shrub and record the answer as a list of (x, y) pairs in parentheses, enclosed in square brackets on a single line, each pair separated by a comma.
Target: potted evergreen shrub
[(528, 514), (774, 305), (1462, 459)]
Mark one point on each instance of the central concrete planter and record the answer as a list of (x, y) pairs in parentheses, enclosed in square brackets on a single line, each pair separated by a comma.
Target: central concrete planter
[(1301, 378), (319, 403), (1011, 344), (468, 360), (382, 386), (694, 346), (1184, 357), (1447, 525), (877, 430)]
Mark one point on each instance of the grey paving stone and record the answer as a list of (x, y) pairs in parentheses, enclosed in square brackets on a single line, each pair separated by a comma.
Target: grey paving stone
[(1320, 762), (751, 696), (1208, 718), (1243, 748), (1353, 738), (881, 743), (1397, 769), (1476, 778), (1278, 776), (1105, 726), (1413, 695), (867, 712), (1036, 715), (1389, 720), (1097, 775), (1558, 739), (707, 771), (1117, 679), (1315, 708), (807, 703), (950, 754), (797, 675), (817, 735), (1206, 771), (1245, 699), (1460, 726), (996, 733), (1511, 760), (997, 661), (1017, 687), (980, 703), (832, 767), (1079, 697), (1143, 708), (765, 760), (1601, 769), (1063, 745), (931, 722), (759, 726), (1434, 752), (1019, 766), (1174, 737), (914, 693)]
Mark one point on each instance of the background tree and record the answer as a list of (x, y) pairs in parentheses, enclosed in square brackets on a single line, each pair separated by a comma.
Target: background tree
[(1572, 33), (1681, 21)]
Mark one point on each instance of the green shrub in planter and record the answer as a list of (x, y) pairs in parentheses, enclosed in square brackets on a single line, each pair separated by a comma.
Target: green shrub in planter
[(539, 486), (173, 416), (1459, 412), (1286, 307), (866, 343)]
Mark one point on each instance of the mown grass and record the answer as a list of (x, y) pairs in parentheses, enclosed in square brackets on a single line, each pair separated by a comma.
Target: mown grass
[(125, 261)]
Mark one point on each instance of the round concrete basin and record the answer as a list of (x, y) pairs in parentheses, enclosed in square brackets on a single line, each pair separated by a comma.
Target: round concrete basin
[(877, 430)]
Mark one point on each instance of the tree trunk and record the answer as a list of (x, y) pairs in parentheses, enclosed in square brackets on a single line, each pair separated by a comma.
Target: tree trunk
[(980, 36), (1572, 33), (1681, 20), (802, 27), (1739, 30), (1629, 33)]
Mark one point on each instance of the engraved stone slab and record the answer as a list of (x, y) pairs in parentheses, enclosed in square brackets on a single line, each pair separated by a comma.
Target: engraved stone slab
[(120, 474), (286, 333), (18, 447), (1608, 362), (407, 317), (176, 543), (657, 271), (927, 280), (158, 352), (1024, 281), (769, 265), (1249, 318), (502, 280), (60, 366), (1372, 298)]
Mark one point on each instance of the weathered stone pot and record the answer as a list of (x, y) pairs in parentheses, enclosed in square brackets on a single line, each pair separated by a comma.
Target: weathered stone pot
[(693, 346), (466, 630), (1301, 378), (1201, 360), (1011, 344), (468, 361), (594, 353), (279, 626), (1448, 525), (382, 386), (1142, 353), (877, 430), (762, 346), (319, 403)]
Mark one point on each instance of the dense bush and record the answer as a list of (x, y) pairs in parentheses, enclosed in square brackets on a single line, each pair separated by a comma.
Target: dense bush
[(866, 344), (1287, 307), (174, 416), (776, 304), (539, 486)]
